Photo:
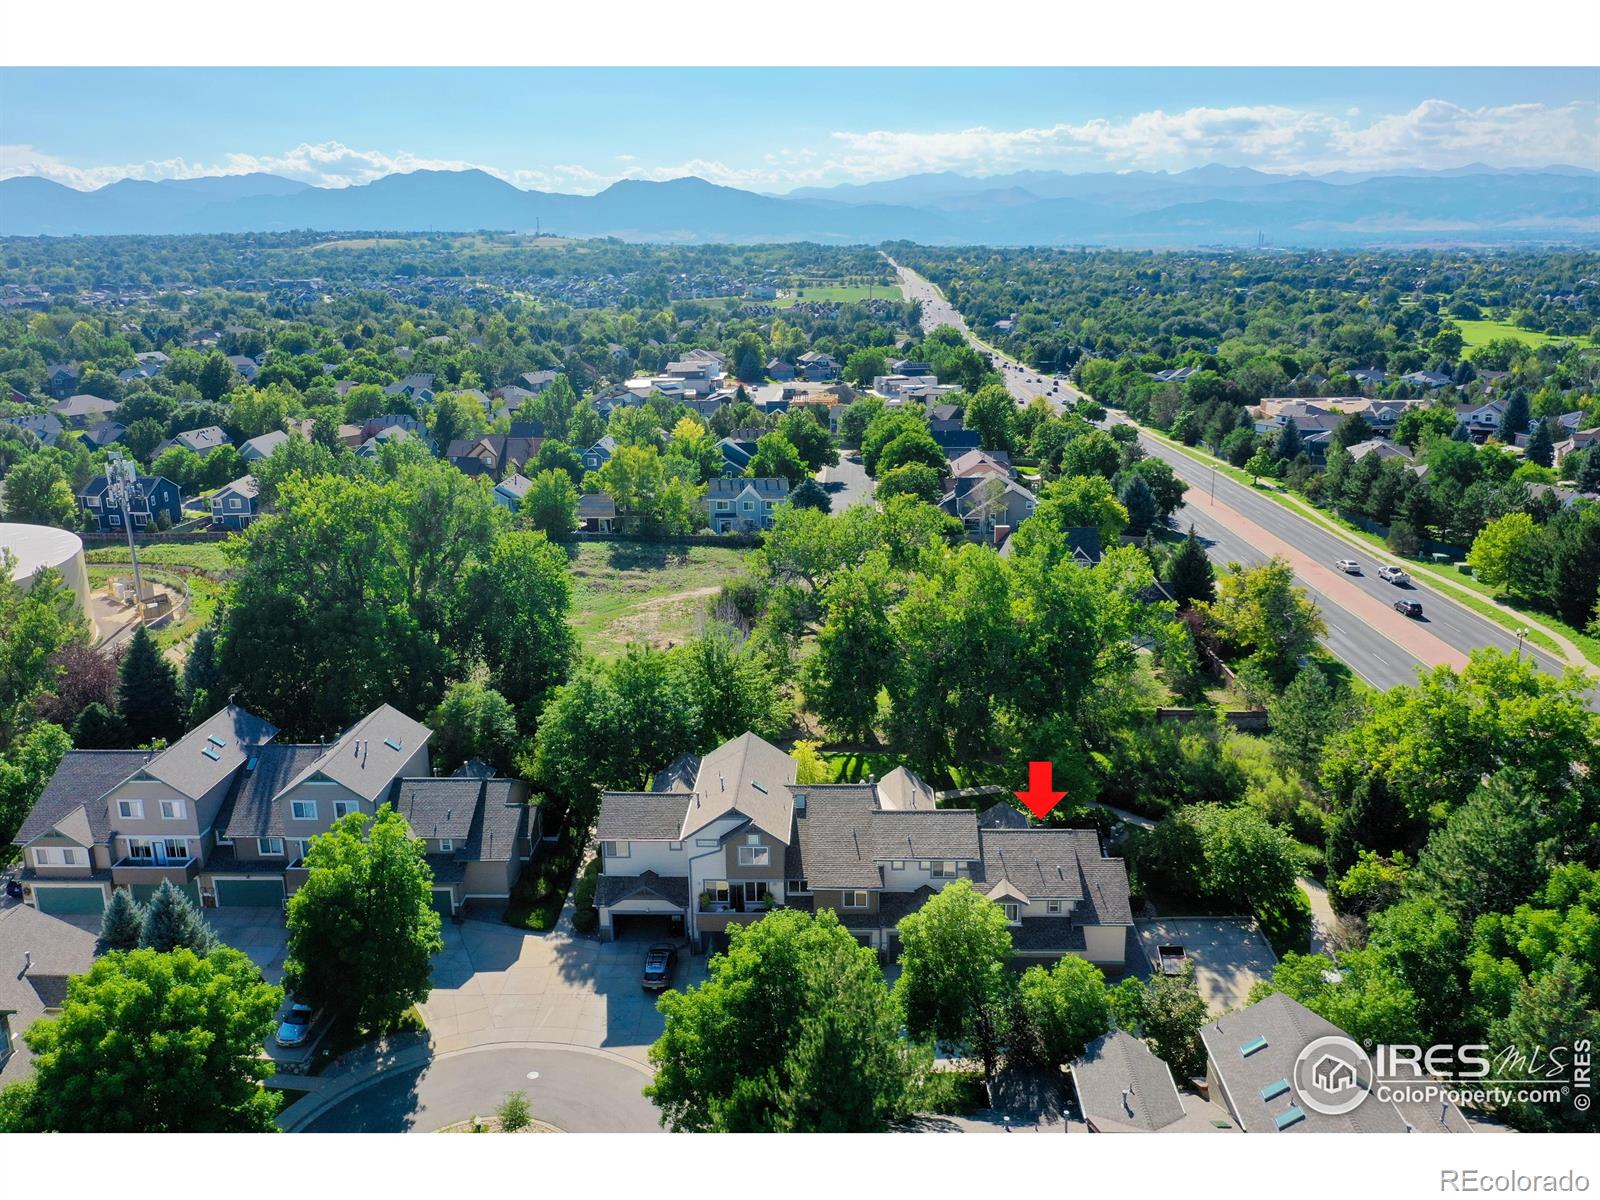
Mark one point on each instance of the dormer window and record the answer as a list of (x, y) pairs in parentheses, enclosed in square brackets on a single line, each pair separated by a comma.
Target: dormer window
[(1013, 912)]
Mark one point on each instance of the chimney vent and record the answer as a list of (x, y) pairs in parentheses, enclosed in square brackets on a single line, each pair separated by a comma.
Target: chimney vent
[(27, 961)]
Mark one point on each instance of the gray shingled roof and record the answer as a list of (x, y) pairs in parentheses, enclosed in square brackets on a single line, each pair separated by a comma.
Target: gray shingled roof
[(641, 816), (950, 833), (1105, 892), (499, 822), (611, 889), (1042, 863), (250, 811), (748, 775), (211, 751), (1002, 815), (678, 775), (1120, 1083), (831, 846), (438, 808), (82, 777), (363, 760)]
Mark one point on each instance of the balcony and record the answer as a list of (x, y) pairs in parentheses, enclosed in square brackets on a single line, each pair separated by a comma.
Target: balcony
[(715, 915), (147, 870)]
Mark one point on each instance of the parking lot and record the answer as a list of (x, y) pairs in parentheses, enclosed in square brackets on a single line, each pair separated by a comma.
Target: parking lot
[(1229, 954)]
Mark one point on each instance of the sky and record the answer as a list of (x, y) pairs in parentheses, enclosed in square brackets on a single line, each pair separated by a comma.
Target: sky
[(772, 129)]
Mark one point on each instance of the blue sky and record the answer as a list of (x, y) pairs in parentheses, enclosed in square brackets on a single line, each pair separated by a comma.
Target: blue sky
[(773, 129)]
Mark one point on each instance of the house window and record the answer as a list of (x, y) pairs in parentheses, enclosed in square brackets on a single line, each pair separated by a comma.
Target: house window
[(1013, 912), (724, 505), (705, 842), (270, 847), (754, 856), (176, 849), (172, 810), (799, 887), (304, 810), (855, 900), (924, 865), (618, 850), (298, 848), (716, 890), (343, 808), (60, 856), (446, 845), (755, 893), (748, 506), (946, 869), (800, 802), (897, 865), (130, 810), (1053, 907)]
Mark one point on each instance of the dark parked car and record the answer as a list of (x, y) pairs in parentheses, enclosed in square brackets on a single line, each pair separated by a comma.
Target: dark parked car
[(659, 962), (1410, 608)]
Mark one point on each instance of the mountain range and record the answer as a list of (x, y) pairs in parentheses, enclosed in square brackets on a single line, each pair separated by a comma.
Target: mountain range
[(1211, 205)]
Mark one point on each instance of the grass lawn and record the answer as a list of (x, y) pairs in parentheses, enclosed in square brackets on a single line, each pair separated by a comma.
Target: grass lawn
[(537, 898), (1481, 333), (652, 592), (202, 556), (839, 292)]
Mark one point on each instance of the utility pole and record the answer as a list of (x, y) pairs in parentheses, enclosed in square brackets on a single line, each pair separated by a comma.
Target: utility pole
[(120, 477)]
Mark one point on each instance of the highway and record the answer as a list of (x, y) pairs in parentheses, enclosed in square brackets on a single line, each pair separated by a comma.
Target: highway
[(1373, 652)]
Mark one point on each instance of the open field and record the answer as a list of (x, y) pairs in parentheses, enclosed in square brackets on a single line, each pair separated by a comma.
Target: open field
[(202, 556), (839, 292), (656, 593), (363, 243), (1481, 333)]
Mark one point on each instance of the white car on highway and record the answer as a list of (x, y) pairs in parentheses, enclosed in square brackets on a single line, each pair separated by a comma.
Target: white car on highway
[(1394, 575), (1349, 566)]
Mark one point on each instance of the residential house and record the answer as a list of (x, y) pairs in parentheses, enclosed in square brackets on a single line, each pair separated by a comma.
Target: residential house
[(511, 490), (496, 454), (1482, 420), (720, 841), (1252, 1056), (1369, 376), (60, 379), (910, 366), (597, 455), (743, 505), (1174, 375), (779, 370), (1122, 1087), (45, 426), (597, 512), (1426, 379), (736, 454), (247, 367), (975, 463), (227, 812), (261, 447), (956, 442), (236, 504), (989, 507), (38, 954), (149, 499), (384, 435), (1581, 439), (817, 366), (946, 417), (78, 412), (101, 434), (201, 441), (419, 387), (1383, 449), (536, 381)]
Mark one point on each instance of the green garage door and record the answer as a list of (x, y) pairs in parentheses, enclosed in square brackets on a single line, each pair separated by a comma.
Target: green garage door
[(249, 893), (64, 901), (142, 892), (441, 901)]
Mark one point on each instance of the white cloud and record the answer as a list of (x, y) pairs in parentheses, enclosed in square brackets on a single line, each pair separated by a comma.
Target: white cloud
[(1436, 133)]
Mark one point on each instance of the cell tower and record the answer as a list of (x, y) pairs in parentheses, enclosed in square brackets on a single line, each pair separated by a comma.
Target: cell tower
[(122, 478)]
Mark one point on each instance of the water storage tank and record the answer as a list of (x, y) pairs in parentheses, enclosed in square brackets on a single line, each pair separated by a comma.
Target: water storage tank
[(35, 547)]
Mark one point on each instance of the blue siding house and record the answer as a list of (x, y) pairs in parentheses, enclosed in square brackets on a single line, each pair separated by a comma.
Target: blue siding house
[(150, 497)]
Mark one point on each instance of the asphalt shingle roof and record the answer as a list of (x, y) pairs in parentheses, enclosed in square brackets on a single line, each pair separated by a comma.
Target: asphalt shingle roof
[(363, 759), (1041, 863), (748, 775), (641, 816), (611, 889), (77, 785), (250, 811), (831, 846), (211, 751), (1121, 1084), (438, 808), (950, 833)]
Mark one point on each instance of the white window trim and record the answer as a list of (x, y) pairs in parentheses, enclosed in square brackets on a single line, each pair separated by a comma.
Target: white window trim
[(135, 808), (897, 865), (43, 856), (296, 805), (1053, 907), (179, 810), (755, 856), (262, 845), (343, 808), (446, 845), (619, 850), (849, 898), (674, 845), (1013, 912)]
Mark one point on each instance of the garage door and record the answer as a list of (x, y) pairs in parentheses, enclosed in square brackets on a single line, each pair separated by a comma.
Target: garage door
[(66, 901), (142, 892), (249, 893), (441, 901)]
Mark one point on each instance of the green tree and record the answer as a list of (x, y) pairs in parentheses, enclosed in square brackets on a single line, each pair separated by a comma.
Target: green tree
[(120, 923), (952, 961), (514, 1113), (855, 650), (810, 494), (1511, 554), (1076, 502), (520, 594), (1140, 503), (1169, 1012), (550, 505), (914, 446), (777, 458), (171, 922), (202, 680), (1541, 446), (148, 695), (35, 626), (1065, 1006), (865, 365), (98, 728), (362, 928), (1304, 717), (793, 1031), (913, 479), (1490, 853), (474, 721), (1364, 997), (809, 437), (38, 493), (25, 768), (1190, 576), (1260, 611), (153, 1043), (992, 414), (1549, 1011)]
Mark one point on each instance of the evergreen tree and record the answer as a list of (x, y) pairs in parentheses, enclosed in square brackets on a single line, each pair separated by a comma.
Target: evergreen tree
[(1516, 416), (1190, 576), (202, 681), (810, 494), (1140, 502), (147, 694), (1541, 447), (172, 922), (1289, 442), (98, 728), (121, 924)]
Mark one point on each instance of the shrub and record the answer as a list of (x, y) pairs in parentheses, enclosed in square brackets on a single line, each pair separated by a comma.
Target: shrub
[(514, 1113), (585, 919)]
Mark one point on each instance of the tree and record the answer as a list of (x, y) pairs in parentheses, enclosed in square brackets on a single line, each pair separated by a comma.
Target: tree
[(172, 922), (1065, 1006), (202, 680), (474, 721), (856, 418), (1491, 853), (865, 365), (1164, 484), (98, 728), (38, 493), (809, 436), (1140, 502), (1261, 463), (148, 696), (1511, 554), (1304, 717), (810, 494), (1169, 1012), (952, 961), (1574, 568), (520, 593), (855, 650), (25, 768), (153, 1043), (1541, 446), (1288, 447), (514, 1114), (1260, 611), (793, 1031), (992, 414), (1515, 418), (914, 446), (1091, 453), (1077, 502), (776, 458), (913, 479), (36, 625), (1550, 1011), (885, 425), (121, 923), (550, 505), (362, 928), (1190, 576), (1364, 997)]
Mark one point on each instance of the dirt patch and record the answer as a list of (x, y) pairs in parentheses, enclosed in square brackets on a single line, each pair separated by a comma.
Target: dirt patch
[(662, 621)]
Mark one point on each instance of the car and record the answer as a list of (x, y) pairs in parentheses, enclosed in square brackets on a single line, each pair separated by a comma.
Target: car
[(1408, 608), (659, 962), (1349, 566), (296, 1024), (1393, 575)]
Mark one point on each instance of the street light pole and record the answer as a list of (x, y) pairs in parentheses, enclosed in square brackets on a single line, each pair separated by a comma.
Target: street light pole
[(1522, 632), (1213, 487)]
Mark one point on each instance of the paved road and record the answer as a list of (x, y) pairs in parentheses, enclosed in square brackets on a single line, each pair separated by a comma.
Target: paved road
[(847, 484), (578, 1092)]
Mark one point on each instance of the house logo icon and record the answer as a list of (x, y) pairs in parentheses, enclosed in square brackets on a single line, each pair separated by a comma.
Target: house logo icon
[(1333, 1075)]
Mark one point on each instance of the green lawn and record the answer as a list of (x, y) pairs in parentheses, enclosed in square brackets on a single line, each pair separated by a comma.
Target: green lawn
[(840, 292), (648, 592), (202, 556), (1481, 333)]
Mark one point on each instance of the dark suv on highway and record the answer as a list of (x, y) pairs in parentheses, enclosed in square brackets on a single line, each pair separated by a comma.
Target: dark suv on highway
[(1409, 608)]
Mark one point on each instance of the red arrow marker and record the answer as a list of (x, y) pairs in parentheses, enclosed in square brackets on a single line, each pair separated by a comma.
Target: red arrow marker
[(1041, 795)]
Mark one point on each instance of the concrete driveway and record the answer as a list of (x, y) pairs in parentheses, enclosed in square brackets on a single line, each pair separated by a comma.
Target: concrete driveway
[(1229, 954), (259, 932)]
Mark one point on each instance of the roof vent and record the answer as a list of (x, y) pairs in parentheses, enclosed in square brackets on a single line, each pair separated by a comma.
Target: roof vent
[(757, 785)]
